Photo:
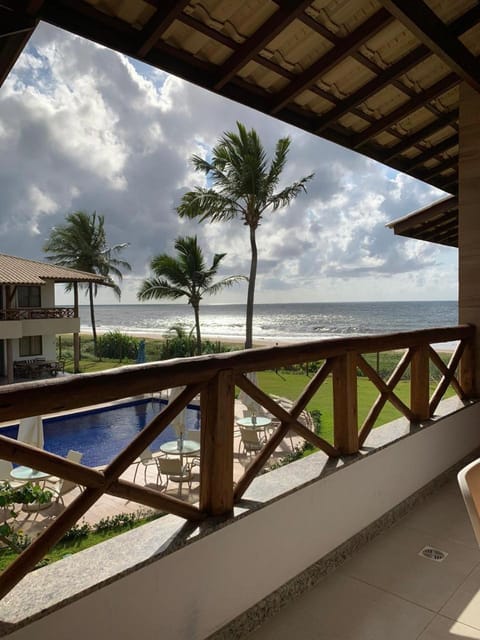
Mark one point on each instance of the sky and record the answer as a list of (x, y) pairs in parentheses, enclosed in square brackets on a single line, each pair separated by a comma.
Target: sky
[(85, 128)]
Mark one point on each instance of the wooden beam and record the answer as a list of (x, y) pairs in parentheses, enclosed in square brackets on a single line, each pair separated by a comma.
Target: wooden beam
[(425, 132), (158, 24), (216, 451), (431, 31), (373, 86), (442, 86), (458, 27), (439, 168), (430, 153), (13, 24), (282, 17), (345, 413), (420, 383), (342, 50)]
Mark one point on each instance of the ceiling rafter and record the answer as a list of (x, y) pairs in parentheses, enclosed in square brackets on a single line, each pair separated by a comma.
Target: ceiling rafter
[(439, 87), (459, 26), (411, 140), (14, 24), (374, 86), (158, 24), (439, 168), (435, 34), (282, 17), (344, 49), (433, 151)]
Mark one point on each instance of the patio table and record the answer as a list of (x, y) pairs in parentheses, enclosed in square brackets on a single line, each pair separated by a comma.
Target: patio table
[(259, 423), (31, 475), (180, 448)]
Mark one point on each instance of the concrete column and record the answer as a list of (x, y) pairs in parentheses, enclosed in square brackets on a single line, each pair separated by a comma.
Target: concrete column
[(469, 218)]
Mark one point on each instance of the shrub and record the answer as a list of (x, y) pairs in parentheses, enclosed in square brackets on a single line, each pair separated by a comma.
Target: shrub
[(117, 345), (116, 522), (11, 496)]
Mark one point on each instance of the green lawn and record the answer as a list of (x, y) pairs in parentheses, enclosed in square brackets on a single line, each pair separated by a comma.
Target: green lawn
[(286, 383), (291, 385)]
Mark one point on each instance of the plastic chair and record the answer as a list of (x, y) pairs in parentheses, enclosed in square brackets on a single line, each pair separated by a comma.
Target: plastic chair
[(5, 469), (61, 486), (469, 482), (147, 459), (73, 456), (174, 470), (251, 440)]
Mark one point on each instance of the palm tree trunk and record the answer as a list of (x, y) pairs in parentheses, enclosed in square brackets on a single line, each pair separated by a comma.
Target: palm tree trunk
[(92, 318), (196, 310), (251, 290)]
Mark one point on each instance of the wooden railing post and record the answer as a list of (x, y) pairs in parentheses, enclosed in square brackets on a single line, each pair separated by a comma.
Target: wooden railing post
[(216, 451), (420, 383), (345, 414)]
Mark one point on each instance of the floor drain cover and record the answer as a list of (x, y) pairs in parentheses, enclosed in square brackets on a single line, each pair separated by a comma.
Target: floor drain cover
[(433, 554)]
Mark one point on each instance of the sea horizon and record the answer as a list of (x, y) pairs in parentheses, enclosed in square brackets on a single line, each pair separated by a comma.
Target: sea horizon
[(286, 321)]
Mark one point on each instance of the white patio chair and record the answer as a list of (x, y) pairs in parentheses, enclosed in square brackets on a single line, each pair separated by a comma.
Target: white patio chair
[(73, 456), (175, 471), (251, 440), (60, 486), (147, 459), (6, 468)]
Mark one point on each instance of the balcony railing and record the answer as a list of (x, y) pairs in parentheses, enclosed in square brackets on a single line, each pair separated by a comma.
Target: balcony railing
[(215, 377), (43, 313)]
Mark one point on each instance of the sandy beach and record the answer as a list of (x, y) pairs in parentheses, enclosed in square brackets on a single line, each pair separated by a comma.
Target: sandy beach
[(257, 342)]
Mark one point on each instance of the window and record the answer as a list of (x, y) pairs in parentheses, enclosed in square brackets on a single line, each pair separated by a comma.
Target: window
[(31, 346), (29, 297)]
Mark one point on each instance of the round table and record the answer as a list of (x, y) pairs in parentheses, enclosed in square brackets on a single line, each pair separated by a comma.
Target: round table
[(172, 447), (28, 474), (261, 422), (31, 475)]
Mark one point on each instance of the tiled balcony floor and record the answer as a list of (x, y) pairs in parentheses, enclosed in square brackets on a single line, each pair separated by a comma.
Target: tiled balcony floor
[(387, 591)]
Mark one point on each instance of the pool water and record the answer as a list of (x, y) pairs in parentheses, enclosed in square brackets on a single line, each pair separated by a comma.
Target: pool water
[(100, 434)]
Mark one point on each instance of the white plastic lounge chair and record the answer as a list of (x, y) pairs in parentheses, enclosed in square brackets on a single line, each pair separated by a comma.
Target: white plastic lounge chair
[(469, 482)]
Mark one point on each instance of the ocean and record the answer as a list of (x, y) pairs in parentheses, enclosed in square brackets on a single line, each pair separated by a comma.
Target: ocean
[(287, 322)]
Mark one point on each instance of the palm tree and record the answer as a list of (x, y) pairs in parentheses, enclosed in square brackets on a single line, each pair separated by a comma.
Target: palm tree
[(243, 186), (185, 275), (81, 244)]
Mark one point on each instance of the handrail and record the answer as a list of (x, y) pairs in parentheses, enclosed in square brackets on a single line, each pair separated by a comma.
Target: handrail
[(37, 313), (214, 377)]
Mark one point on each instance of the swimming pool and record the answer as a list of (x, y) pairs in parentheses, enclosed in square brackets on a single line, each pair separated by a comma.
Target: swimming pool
[(102, 433)]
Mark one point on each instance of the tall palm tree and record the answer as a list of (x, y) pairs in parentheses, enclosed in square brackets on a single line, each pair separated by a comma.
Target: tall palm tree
[(243, 186), (186, 275), (82, 244)]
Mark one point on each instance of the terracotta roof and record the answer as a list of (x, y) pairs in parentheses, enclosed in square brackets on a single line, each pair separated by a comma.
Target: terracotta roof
[(436, 223), (378, 76), (19, 271)]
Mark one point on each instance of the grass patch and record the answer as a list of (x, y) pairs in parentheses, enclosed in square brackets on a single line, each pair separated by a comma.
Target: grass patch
[(82, 537)]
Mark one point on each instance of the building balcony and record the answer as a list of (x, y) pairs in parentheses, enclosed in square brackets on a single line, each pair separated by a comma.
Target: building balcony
[(17, 323), (248, 549)]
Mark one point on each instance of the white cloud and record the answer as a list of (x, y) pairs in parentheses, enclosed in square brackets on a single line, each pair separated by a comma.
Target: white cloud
[(82, 127)]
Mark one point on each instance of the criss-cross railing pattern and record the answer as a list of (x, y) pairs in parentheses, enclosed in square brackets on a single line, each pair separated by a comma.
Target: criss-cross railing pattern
[(215, 379), (37, 313)]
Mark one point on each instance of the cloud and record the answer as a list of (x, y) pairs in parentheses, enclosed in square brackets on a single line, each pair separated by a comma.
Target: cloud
[(85, 128)]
